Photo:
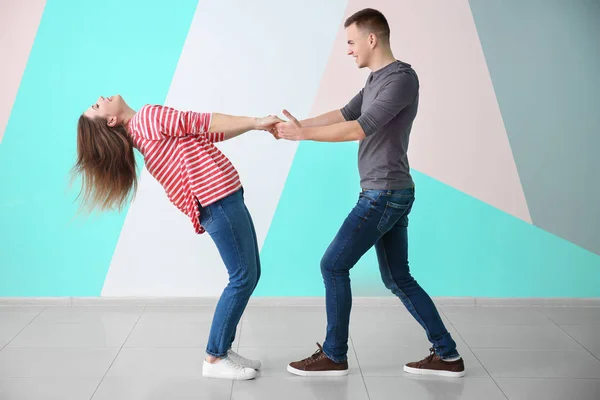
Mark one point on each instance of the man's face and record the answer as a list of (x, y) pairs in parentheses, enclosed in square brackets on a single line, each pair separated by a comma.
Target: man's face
[(358, 45)]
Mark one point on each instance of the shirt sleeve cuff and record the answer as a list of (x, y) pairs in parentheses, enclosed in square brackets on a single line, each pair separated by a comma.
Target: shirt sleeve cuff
[(346, 114), (367, 124)]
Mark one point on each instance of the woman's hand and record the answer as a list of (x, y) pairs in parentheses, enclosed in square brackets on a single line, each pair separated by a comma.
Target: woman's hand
[(267, 123)]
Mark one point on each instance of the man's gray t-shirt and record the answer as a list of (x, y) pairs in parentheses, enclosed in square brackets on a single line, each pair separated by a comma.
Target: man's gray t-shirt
[(385, 109)]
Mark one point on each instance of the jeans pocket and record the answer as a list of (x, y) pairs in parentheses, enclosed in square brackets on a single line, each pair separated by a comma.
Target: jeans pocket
[(205, 217), (393, 212)]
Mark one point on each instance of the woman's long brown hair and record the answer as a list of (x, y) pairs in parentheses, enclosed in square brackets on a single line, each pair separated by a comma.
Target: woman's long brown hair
[(106, 164)]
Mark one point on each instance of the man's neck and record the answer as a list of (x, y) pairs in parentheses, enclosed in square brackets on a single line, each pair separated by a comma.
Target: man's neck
[(381, 60)]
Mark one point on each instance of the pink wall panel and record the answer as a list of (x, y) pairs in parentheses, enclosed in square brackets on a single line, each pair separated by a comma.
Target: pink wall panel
[(19, 22)]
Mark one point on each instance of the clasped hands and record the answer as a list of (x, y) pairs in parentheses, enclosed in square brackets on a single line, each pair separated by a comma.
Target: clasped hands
[(280, 129)]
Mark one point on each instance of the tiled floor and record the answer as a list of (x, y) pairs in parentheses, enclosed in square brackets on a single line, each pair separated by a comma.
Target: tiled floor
[(155, 353)]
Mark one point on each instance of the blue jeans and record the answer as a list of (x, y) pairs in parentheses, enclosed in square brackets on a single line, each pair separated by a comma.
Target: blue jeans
[(380, 219), (230, 226)]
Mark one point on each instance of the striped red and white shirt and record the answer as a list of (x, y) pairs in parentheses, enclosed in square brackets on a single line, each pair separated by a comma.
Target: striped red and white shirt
[(180, 153)]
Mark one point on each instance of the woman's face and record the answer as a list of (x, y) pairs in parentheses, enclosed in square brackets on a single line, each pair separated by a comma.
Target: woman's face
[(110, 108)]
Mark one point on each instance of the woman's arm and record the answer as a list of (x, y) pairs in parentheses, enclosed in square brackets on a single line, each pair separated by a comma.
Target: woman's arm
[(160, 121), (232, 125)]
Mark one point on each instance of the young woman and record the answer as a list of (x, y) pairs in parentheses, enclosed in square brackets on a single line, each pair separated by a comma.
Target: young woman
[(179, 151)]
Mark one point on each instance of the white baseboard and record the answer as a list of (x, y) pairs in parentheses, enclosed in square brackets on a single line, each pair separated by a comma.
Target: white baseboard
[(388, 301), (539, 302), (144, 301), (35, 301)]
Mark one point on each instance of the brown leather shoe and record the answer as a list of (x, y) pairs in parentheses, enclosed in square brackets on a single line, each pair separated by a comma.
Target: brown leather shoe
[(434, 365), (318, 365)]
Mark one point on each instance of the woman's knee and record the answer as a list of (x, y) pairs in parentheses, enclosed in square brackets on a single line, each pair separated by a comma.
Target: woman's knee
[(258, 274), (244, 282), (252, 277)]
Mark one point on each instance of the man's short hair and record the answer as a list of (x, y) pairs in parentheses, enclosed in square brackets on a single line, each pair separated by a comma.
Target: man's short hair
[(372, 21)]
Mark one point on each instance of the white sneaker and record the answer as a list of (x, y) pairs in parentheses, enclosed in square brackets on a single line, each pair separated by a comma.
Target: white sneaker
[(235, 357), (227, 369)]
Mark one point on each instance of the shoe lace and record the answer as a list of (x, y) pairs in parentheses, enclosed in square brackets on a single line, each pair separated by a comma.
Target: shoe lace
[(237, 357), (317, 355), (233, 364), (429, 358)]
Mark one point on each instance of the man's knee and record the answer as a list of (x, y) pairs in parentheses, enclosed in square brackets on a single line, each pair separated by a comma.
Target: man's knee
[(330, 263), (327, 263), (336, 266)]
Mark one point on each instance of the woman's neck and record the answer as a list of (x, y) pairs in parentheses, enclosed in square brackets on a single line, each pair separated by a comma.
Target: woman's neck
[(127, 115)]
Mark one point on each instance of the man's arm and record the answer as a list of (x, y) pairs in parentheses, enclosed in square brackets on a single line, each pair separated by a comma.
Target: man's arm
[(392, 99), (350, 112), (346, 131), (332, 117)]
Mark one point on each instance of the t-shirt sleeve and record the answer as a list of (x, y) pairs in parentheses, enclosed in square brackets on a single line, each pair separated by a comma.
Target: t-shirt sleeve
[(351, 111), (391, 99), (157, 122)]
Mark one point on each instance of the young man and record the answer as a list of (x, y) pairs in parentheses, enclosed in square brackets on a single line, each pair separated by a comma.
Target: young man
[(380, 116)]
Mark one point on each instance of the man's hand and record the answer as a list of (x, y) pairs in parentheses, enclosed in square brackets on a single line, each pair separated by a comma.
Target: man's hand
[(290, 130), (337, 132)]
